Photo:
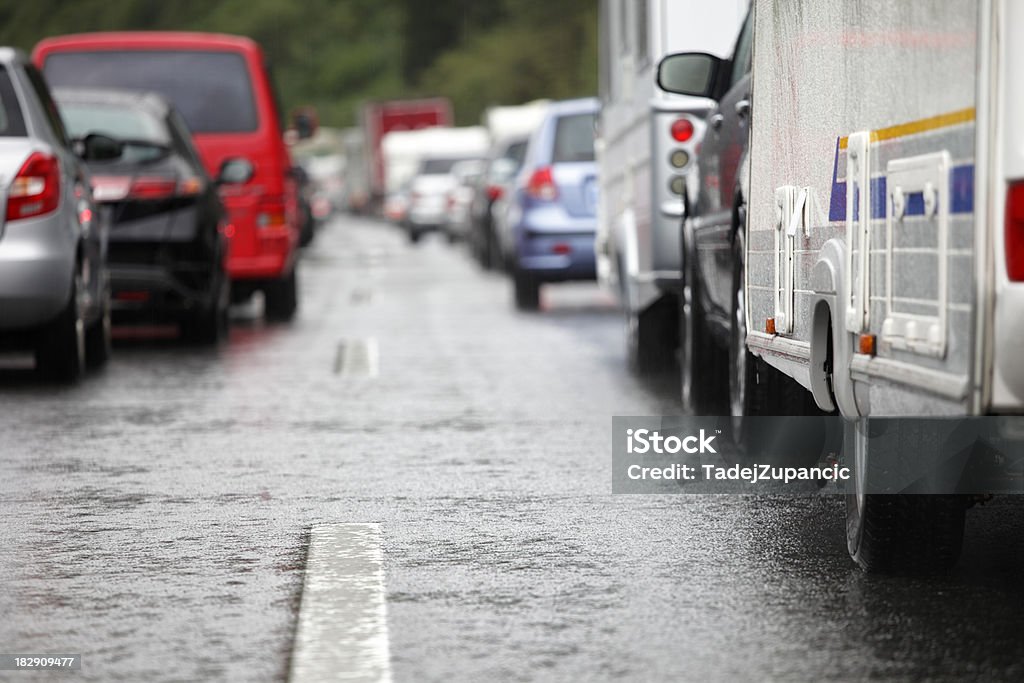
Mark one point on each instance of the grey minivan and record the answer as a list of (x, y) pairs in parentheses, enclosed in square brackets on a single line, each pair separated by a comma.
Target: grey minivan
[(54, 291)]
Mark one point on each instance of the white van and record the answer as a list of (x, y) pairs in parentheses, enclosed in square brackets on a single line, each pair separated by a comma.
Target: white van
[(647, 143), (885, 232)]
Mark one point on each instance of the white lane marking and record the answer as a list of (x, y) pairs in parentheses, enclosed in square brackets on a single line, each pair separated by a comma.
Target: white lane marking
[(357, 358), (342, 632)]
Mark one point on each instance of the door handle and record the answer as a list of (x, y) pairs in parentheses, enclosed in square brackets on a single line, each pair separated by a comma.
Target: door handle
[(716, 121), (743, 108)]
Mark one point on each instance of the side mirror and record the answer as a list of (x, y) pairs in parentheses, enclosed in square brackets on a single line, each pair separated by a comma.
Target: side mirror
[(304, 123), (235, 171), (98, 147), (689, 73)]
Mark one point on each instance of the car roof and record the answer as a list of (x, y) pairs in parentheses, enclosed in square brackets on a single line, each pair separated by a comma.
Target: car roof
[(148, 40), (154, 103), (583, 105)]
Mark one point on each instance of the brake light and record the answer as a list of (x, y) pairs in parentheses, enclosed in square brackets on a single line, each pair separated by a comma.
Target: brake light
[(1014, 231), (542, 185), (682, 130), (36, 188), (143, 188), (152, 188), (494, 192), (272, 215)]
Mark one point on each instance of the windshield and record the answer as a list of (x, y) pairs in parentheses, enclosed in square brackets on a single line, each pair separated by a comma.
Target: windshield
[(574, 138), (212, 90)]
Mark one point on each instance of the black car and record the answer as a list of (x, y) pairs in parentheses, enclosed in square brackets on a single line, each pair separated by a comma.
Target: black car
[(169, 231), (713, 351)]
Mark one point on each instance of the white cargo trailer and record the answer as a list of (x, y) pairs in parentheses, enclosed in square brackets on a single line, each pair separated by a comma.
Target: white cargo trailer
[(646, 151), (885, 232)]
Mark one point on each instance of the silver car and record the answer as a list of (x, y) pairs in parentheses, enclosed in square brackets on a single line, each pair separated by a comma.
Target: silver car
[(54, 291)]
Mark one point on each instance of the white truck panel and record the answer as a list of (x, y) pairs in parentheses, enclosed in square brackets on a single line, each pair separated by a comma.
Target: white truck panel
[(640, 217), (862, 199)]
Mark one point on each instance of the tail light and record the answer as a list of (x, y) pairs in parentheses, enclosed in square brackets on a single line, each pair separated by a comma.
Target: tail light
[(36, 188), (143, 188), (1014, 231), (494, 192), (272, 214), (542, 185), (682, 129)]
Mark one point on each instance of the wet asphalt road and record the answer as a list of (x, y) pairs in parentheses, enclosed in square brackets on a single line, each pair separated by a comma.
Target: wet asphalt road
[(155, 518)]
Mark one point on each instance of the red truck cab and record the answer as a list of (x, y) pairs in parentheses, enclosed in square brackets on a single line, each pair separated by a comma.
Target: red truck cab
[(222, 87)]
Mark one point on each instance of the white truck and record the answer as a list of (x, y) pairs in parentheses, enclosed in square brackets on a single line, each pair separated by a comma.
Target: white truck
[(885, 229), (646, 149)]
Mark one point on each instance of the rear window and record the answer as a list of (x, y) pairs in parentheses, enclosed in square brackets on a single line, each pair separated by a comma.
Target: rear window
[(212, 90), (437, 166), (574, 138), (11, 122), (81, 118)]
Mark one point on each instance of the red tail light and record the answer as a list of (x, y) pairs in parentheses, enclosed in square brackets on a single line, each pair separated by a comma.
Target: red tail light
[(542, 185), (272, 214), (682, 130), (143, 188), (1014, 231), (36, 188), (494, 192)]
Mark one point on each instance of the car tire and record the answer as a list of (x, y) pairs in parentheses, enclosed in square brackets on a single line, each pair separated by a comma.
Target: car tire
[(60, 351), (209, 325), (756, 389), (527, 291), (281, 297), (898, 533), (695, 352), (97, 336)]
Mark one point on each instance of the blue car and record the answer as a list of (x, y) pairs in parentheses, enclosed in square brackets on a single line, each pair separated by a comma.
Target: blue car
[(551, 218)]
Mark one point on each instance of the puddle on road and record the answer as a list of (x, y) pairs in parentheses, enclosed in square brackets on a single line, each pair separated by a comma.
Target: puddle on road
[(357, 358)]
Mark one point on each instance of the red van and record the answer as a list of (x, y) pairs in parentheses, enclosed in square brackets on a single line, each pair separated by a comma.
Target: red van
[(222, 87)]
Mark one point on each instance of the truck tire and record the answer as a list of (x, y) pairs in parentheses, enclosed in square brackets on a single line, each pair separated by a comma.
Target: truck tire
[(60, 351), (281, 297), (652, 336), (527, 291), (899, 533)]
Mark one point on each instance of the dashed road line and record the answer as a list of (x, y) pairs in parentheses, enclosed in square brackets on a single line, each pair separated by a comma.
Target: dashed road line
[(342, 632)]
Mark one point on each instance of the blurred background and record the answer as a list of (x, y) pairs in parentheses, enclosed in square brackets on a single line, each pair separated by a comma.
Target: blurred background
[(333, 54)]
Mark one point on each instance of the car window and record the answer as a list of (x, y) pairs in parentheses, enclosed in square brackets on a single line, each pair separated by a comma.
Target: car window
[(437, 166), (117, 121), (516, 152), (742, 54), (49, 106), (12, 124), (574, 138), (212, 90)]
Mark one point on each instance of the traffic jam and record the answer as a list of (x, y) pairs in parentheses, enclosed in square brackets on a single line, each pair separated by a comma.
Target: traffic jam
[(705, 371)]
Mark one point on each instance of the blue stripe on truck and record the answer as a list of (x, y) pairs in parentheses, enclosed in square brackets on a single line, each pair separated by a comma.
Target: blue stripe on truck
[(961, 193)]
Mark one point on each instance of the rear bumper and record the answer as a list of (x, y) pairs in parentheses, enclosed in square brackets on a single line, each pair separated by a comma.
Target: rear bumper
[(37, 265), (138, 288), (267, 255), (553, 256)]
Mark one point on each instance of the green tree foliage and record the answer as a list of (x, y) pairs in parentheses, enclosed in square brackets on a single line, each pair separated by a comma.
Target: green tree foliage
[(333, 54)]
